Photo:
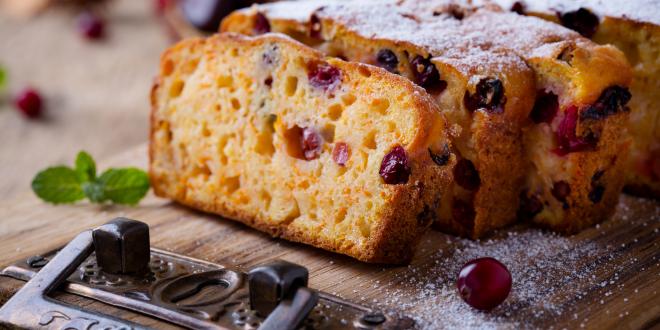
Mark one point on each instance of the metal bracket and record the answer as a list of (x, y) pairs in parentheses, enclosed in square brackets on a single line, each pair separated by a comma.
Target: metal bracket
[(180, 290), (31, 307)]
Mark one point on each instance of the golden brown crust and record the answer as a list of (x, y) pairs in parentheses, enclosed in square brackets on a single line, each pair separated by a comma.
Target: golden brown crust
[(398, 221)]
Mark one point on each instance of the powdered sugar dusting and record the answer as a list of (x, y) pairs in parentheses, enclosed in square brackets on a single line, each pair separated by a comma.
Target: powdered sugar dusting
[(638, 10), (551, 274), (538, 261)]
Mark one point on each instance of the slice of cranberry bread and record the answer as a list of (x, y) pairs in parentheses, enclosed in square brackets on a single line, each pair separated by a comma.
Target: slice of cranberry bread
[(485, 94), (634, 28), (343, 156)]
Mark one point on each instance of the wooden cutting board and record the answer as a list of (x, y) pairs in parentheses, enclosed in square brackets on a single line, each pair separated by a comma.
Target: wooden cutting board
[(603, 278)]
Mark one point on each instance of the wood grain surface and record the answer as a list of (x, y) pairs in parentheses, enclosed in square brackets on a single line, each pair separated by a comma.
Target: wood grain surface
[(603, 278)]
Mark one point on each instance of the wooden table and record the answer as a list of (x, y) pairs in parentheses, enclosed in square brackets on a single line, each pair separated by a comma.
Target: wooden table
[(603, 278)]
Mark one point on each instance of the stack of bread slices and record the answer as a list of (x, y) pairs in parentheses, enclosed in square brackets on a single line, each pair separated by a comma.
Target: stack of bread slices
[(355, 125)]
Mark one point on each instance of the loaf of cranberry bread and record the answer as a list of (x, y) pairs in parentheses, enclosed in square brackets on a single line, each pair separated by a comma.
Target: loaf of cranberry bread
[(633, 27), (497, 84), (264, 130), (567, 93)]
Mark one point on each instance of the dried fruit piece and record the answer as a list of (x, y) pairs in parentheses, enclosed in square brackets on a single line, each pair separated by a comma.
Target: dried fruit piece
[(426, 217), (323, 75), (582, 20), (518, 8), (90, 25), (261, 24), (612, 100), (488, 95), (311, 143), (466, 175), (545, 108), (207, 14), (484, 283), (387, 60), (394, 168), (561, 190), (426, 74), (443, 158), (340, 153), (315, 27), (567, 140), (597, 188), (530, 205), (596, 194)]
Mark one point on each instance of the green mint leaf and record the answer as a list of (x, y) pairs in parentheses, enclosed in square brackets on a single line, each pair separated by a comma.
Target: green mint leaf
[(124, 185), (3, 78), (58, 185), (85, 167), (94, 191)]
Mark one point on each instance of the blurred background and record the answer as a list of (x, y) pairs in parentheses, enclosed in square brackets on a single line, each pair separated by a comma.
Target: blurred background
[(94, 91)]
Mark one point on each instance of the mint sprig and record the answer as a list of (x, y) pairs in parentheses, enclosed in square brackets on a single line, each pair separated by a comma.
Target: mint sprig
[(3, 77), (62, 184)]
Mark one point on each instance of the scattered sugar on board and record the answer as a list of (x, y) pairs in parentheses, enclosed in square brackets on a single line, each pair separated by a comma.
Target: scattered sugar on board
[(542, 265), (537, 261)]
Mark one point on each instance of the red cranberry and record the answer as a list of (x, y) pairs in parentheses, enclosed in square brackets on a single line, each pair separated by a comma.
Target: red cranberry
[(489, 95), (394, 168), (315, 27), (545, 108), (160, 6), (463, 213), (466, 175), (261, 24), (387, 60), (582, 20), (311, 143), (612, 100), (29, 103), (530, 206), (340, 153), (442, 158), (567, 139), (561, 190), (323, 75), (518, 8), (90, 25), (484, 283)]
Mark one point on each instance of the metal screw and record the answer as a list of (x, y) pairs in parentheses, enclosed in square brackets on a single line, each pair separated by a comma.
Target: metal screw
[(37, 261), (373, 318)]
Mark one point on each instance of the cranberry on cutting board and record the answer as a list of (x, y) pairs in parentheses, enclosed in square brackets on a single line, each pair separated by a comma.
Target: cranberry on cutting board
[(484, 283)]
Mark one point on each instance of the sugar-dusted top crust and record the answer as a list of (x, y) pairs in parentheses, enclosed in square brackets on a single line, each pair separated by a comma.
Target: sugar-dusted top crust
[(382, 19), (643, 11)]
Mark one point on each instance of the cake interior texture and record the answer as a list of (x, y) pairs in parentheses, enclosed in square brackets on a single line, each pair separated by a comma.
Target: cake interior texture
[(264, 130), (571, 114)]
